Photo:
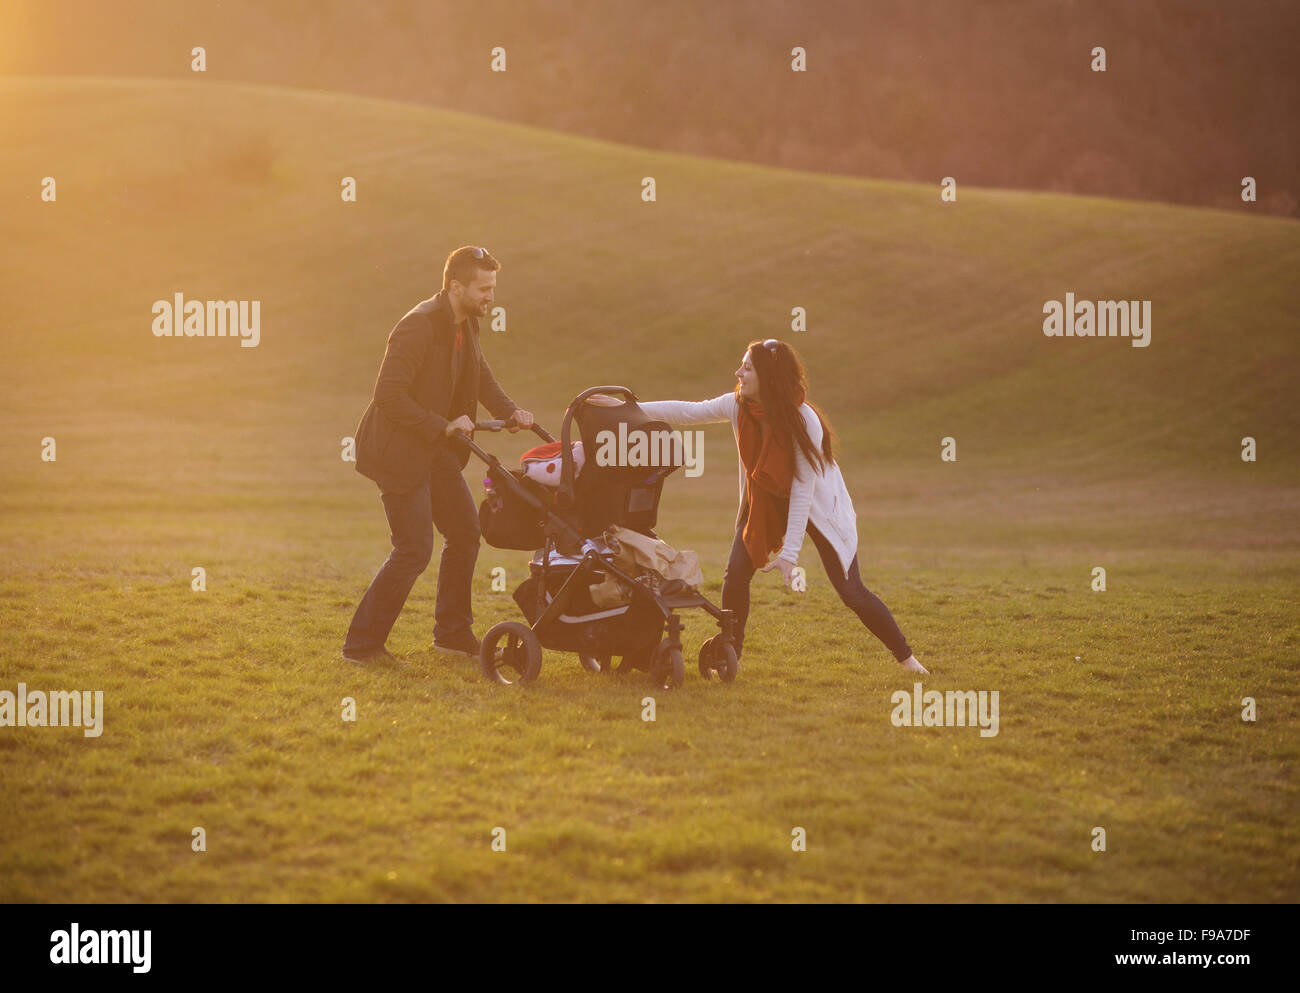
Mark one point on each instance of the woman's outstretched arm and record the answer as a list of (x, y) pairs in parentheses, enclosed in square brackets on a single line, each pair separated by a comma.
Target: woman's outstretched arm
[(683, 412)]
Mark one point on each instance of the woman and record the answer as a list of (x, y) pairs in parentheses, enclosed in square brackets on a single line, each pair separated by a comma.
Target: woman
[(789, 483)]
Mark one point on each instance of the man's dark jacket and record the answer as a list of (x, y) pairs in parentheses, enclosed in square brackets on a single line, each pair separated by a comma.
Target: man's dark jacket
[(418, 393)]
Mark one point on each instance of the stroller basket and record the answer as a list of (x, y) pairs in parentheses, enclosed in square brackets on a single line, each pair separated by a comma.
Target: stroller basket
[(506, 519)]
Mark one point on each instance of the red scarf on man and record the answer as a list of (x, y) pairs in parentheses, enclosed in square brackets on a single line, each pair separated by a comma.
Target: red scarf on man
[(769, 468)]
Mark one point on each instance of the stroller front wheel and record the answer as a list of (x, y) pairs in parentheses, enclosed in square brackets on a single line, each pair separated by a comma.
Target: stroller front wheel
[(510, 653), (719, 656), (730, 665), (667, 667)]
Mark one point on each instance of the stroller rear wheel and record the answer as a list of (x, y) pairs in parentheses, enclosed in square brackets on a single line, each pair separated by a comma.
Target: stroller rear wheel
[(510, 654)]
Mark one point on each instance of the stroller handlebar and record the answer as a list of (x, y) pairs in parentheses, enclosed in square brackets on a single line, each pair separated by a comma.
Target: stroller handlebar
[(537, 429)]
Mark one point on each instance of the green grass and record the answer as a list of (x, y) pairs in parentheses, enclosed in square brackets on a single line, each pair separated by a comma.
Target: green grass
[(223, 707)]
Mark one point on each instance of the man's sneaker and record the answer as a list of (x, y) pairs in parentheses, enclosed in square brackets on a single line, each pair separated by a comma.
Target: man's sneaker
[(458, 644), (374, 655), (910, 664)]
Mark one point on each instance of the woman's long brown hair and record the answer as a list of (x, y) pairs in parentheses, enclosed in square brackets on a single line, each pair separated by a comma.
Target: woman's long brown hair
[(781, 377)]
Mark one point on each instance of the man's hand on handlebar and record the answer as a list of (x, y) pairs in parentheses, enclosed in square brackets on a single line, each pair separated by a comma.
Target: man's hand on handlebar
[(520, 420), (461, 423)]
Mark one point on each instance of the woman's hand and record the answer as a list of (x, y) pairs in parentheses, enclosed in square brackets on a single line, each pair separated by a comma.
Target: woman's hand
[(786, 567)]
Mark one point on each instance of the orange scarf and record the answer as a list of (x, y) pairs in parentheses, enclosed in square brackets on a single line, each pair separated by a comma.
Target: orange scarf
[(769, 468)]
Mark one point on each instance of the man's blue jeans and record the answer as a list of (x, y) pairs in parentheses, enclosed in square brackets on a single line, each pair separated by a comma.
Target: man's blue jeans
[(442, 501)]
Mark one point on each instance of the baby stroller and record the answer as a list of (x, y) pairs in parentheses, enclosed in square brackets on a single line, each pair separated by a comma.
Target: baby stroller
[(566, 526)]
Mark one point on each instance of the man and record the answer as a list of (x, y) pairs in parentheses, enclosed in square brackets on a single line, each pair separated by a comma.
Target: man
[(430, 384)]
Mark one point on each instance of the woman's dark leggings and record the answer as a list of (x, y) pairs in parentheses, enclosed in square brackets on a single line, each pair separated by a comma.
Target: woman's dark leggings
[(873, 613)]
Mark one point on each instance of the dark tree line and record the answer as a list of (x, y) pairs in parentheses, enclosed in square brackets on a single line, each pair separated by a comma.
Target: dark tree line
[(1197, 93)]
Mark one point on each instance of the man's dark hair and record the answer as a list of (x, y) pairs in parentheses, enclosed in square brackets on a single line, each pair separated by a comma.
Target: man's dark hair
[(464, 264)]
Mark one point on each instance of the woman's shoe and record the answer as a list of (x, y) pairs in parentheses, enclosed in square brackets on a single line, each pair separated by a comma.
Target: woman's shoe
[(910, 664)]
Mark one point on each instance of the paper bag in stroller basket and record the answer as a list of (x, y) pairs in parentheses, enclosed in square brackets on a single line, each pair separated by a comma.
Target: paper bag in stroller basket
[(651, 560)]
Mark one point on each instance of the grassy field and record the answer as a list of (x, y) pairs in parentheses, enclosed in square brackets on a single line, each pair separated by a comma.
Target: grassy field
[(1119, 709)]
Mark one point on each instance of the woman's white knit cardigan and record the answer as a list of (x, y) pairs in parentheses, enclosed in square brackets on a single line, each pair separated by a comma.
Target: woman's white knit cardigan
[(820, 497)]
